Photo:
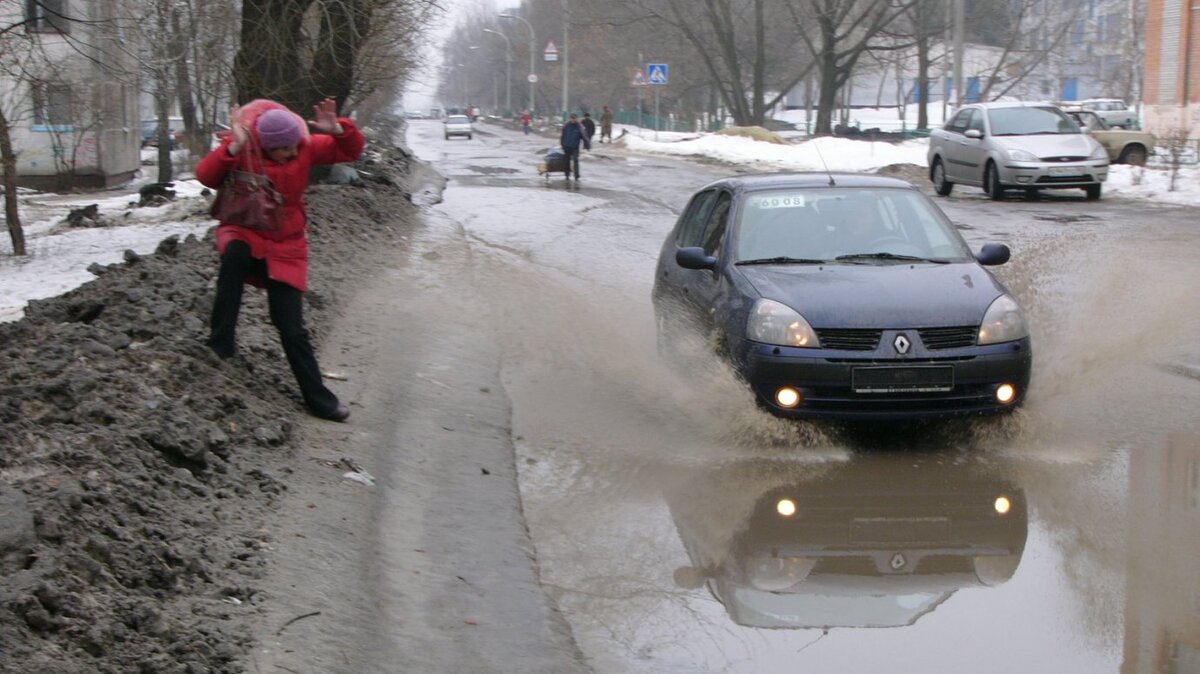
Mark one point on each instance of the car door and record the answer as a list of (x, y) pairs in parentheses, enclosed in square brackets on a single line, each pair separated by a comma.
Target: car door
[(954, 145), (689, 229), (974, 150), (704, 289)]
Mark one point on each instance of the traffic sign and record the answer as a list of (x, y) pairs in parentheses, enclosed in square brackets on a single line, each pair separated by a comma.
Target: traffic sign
[(551, 53), (532, 78), (657, 73), (639, 78)]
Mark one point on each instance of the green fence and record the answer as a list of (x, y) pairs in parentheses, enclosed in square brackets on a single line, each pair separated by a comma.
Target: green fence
[(647, 121)]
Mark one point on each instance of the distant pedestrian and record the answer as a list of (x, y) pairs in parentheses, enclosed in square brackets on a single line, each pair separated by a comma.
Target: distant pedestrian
[(526, 122), (606, 120), (589, 125), (573, 136), (268, 139)]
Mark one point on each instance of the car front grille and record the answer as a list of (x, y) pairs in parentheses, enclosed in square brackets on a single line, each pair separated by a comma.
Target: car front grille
[(948, 338), (1050, 180), (1065, 159), (849, 340)]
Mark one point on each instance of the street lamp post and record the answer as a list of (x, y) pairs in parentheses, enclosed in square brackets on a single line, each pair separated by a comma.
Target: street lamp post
[(532, 58), (507, 68), (566, 56)]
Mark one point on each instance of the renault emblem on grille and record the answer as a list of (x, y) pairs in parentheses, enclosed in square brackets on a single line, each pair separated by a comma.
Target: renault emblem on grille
[(901, 343)]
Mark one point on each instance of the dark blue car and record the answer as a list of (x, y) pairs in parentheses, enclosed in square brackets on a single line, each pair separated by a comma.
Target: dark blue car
[(843, 296)]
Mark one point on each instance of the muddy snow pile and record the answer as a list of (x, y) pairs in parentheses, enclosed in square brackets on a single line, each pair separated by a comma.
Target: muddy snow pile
[(137, 469)]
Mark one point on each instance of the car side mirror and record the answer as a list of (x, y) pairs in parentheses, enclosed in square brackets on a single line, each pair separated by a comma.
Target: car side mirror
[(993, 254), (973, 133), (694, 257)]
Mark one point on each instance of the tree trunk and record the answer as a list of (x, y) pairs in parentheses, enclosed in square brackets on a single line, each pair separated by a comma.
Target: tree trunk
[(344, 27), (923, 82), (196, 137), (11, 213), (165, 137), (268, 63)]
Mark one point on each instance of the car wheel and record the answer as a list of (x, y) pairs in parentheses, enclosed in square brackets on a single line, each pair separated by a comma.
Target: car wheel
[(469, 136), (991, 182), (1093, 191), (447, 136), (1133, 154), (938, 175)]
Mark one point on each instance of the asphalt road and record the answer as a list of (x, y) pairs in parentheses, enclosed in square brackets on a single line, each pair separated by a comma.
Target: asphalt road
[(1059, 539)]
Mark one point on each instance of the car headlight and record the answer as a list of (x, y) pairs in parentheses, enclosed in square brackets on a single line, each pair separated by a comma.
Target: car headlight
[(774, 323), (1003, 322), (1022, 155), (1098, 152)]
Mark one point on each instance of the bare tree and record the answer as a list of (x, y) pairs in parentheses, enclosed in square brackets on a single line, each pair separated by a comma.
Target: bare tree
[(299, 51)]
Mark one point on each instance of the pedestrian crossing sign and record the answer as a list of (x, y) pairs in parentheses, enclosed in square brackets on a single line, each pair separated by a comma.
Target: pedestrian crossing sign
[(657, 73)]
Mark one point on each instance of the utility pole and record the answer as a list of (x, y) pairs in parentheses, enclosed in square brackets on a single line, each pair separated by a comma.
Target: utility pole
[(959, 29), (532, 76), (566, 52), (507, 69)]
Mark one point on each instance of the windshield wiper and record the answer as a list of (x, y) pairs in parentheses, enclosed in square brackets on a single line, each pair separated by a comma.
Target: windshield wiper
[(889, 256), (782, 260)]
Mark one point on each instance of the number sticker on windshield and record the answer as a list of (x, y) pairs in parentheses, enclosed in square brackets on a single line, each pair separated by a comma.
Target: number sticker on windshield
[(778, 201)]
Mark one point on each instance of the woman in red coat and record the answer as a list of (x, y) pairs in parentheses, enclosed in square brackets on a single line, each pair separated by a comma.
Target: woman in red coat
[(268, 138)]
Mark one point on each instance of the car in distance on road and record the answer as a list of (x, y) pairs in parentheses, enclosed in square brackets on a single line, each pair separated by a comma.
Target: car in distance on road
[(457, 125), (175, 134), (1015, 145), (1124, 146), (842, 296)]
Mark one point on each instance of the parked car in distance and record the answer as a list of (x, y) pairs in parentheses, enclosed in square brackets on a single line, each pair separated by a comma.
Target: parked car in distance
[(841, 296), (414, 114), (1113, 111), (457, 125), (1124, 146), (1015, 145), (150, 132)]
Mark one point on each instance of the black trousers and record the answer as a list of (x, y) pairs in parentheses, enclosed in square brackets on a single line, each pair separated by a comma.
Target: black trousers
[(286, 305), (572, 160)]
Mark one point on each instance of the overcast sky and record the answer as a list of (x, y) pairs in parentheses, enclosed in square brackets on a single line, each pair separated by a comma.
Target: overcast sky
[(419, 95)]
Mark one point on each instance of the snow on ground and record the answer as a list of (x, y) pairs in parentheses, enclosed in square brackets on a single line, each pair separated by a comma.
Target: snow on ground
[(58, 257)]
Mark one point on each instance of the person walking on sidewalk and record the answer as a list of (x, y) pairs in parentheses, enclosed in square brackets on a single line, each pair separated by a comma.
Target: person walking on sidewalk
[(589, 126), (573, 136), (526, 122), (269, 139), (606, 121)]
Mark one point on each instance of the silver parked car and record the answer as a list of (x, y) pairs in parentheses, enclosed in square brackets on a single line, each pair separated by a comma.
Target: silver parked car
[(1015, 145)]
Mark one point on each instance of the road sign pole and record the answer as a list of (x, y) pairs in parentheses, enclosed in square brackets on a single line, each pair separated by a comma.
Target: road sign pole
[(657, 122)]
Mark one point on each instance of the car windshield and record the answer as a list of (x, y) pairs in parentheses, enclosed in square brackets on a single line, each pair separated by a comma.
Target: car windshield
[(1030, 121), (857, 224), (1092, 120)]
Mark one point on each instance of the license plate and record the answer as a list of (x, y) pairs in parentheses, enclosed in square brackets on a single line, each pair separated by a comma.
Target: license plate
[(929, 379), (1063, 171)]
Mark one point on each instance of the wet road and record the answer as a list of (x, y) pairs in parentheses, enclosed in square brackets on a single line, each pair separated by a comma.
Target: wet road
[(680, 529)]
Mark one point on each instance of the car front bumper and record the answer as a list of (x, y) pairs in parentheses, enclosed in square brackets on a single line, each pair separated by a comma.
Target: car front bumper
[(1053, 174), (825, 380)]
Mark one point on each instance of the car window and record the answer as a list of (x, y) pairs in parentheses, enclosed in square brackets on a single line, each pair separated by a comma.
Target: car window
[(457, 119), (1026, 121), (825, 223), (976, 121), (718, 221), (959, 121), (694, 218)]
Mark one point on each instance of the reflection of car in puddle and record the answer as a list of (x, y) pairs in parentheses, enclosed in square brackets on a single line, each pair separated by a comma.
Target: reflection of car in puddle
[(877, 542)]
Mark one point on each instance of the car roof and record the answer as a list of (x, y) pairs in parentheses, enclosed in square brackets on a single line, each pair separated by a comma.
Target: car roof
[(805, 179), (992, 105)]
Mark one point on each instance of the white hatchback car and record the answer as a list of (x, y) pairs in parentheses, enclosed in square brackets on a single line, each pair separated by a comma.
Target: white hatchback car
[(1015, 145), (457, 125)]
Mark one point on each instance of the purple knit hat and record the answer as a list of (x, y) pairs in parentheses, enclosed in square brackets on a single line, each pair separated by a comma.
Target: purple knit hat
[(279, 128)]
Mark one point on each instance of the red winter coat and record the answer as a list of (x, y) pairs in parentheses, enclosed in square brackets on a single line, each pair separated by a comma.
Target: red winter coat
[(285, 250)]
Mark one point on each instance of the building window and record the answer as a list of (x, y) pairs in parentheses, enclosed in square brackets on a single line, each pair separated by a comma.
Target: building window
[(52, 105), (47, 16)]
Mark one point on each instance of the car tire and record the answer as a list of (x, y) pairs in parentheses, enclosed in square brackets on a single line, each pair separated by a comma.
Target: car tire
[(1133, 154), (447, 136), (469, 136), (991, 182), (1093, 191), (938, 175)]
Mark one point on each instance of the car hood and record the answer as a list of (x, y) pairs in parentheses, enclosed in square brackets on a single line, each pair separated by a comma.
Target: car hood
[(889, 295), (1060, 145)]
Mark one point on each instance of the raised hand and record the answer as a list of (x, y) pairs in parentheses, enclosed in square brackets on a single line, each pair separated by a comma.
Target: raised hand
[(241, 135), (326, 120)]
